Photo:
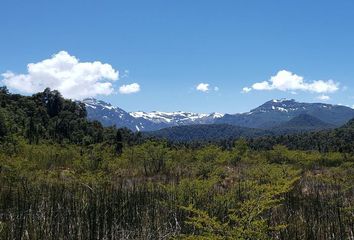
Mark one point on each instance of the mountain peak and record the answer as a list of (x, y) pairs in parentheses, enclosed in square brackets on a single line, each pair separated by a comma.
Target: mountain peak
[(92, 100), (93, 103), (282, 100), (281, 105)]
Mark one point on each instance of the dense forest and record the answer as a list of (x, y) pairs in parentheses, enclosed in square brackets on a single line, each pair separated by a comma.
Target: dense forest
[(63, 177)]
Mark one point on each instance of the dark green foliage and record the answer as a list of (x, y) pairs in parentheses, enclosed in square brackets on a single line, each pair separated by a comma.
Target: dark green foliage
[(3, 127), (119, 142), (291, 135), (206, 132), (301, 123), (47, 116), (337, 140)]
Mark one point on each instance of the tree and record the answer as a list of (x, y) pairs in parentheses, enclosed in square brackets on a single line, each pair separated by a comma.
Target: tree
[(32, 133), (152, 155), (241, 147), (119, 142), (239, 151), (3, 127)]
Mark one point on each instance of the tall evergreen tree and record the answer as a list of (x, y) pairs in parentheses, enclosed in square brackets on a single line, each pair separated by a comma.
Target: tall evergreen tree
[(119, 142)]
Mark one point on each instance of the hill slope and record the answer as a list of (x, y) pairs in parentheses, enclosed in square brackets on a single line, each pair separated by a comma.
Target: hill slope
[(302, 123), (206, 132)]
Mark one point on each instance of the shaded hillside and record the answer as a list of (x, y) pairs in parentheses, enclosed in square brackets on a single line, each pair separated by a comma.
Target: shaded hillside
[(302, 123), (217, 132), (206, 132), (339, 139)]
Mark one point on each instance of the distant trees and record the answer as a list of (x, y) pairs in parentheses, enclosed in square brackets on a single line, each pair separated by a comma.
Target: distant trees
[(3, 127), (119, 142), (340, 139)]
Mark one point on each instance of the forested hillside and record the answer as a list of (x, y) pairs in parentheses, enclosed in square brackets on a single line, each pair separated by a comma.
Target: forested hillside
[(206, 133), (63, 177), (337, 140)]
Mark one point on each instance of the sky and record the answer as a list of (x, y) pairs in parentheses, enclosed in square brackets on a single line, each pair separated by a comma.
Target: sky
[(180, 55)]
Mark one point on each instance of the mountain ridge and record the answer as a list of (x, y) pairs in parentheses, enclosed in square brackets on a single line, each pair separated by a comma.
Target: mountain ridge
[(267, 116), (273, 112)]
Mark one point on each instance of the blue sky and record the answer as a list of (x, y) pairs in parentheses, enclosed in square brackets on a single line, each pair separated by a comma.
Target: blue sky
[(169, 47)]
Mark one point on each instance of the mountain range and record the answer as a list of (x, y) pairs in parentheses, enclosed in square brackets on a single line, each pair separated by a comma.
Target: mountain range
[(109, 115), (275, 112), (279, 116)]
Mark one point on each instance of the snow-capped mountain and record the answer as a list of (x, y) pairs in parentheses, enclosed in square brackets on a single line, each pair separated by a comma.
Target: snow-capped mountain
[(109, 115), (275, 112), (177, 118), (267, 116)]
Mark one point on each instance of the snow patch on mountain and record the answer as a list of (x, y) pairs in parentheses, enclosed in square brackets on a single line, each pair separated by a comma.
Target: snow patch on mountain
[(175, 118)]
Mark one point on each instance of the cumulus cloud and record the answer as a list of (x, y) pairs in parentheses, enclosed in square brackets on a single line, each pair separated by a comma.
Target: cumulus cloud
[(323, 97), (130, 88), (63, 72), (203, 87), (246, 90), (288, 81)]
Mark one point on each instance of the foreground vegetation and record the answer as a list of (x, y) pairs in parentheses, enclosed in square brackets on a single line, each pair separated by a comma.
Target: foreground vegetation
[(63, 177)]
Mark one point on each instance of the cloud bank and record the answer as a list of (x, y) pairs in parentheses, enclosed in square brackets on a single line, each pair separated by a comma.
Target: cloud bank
[(287, 81), (130, 88), (63, 72)]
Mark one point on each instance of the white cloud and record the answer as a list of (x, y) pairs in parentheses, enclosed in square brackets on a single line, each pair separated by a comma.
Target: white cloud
[(203, 87), (216, 89), (63, 72), (288, 81), (246, 90), (130, 88), (321, 86), (261, 86), (323, 97), (353, 106)]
